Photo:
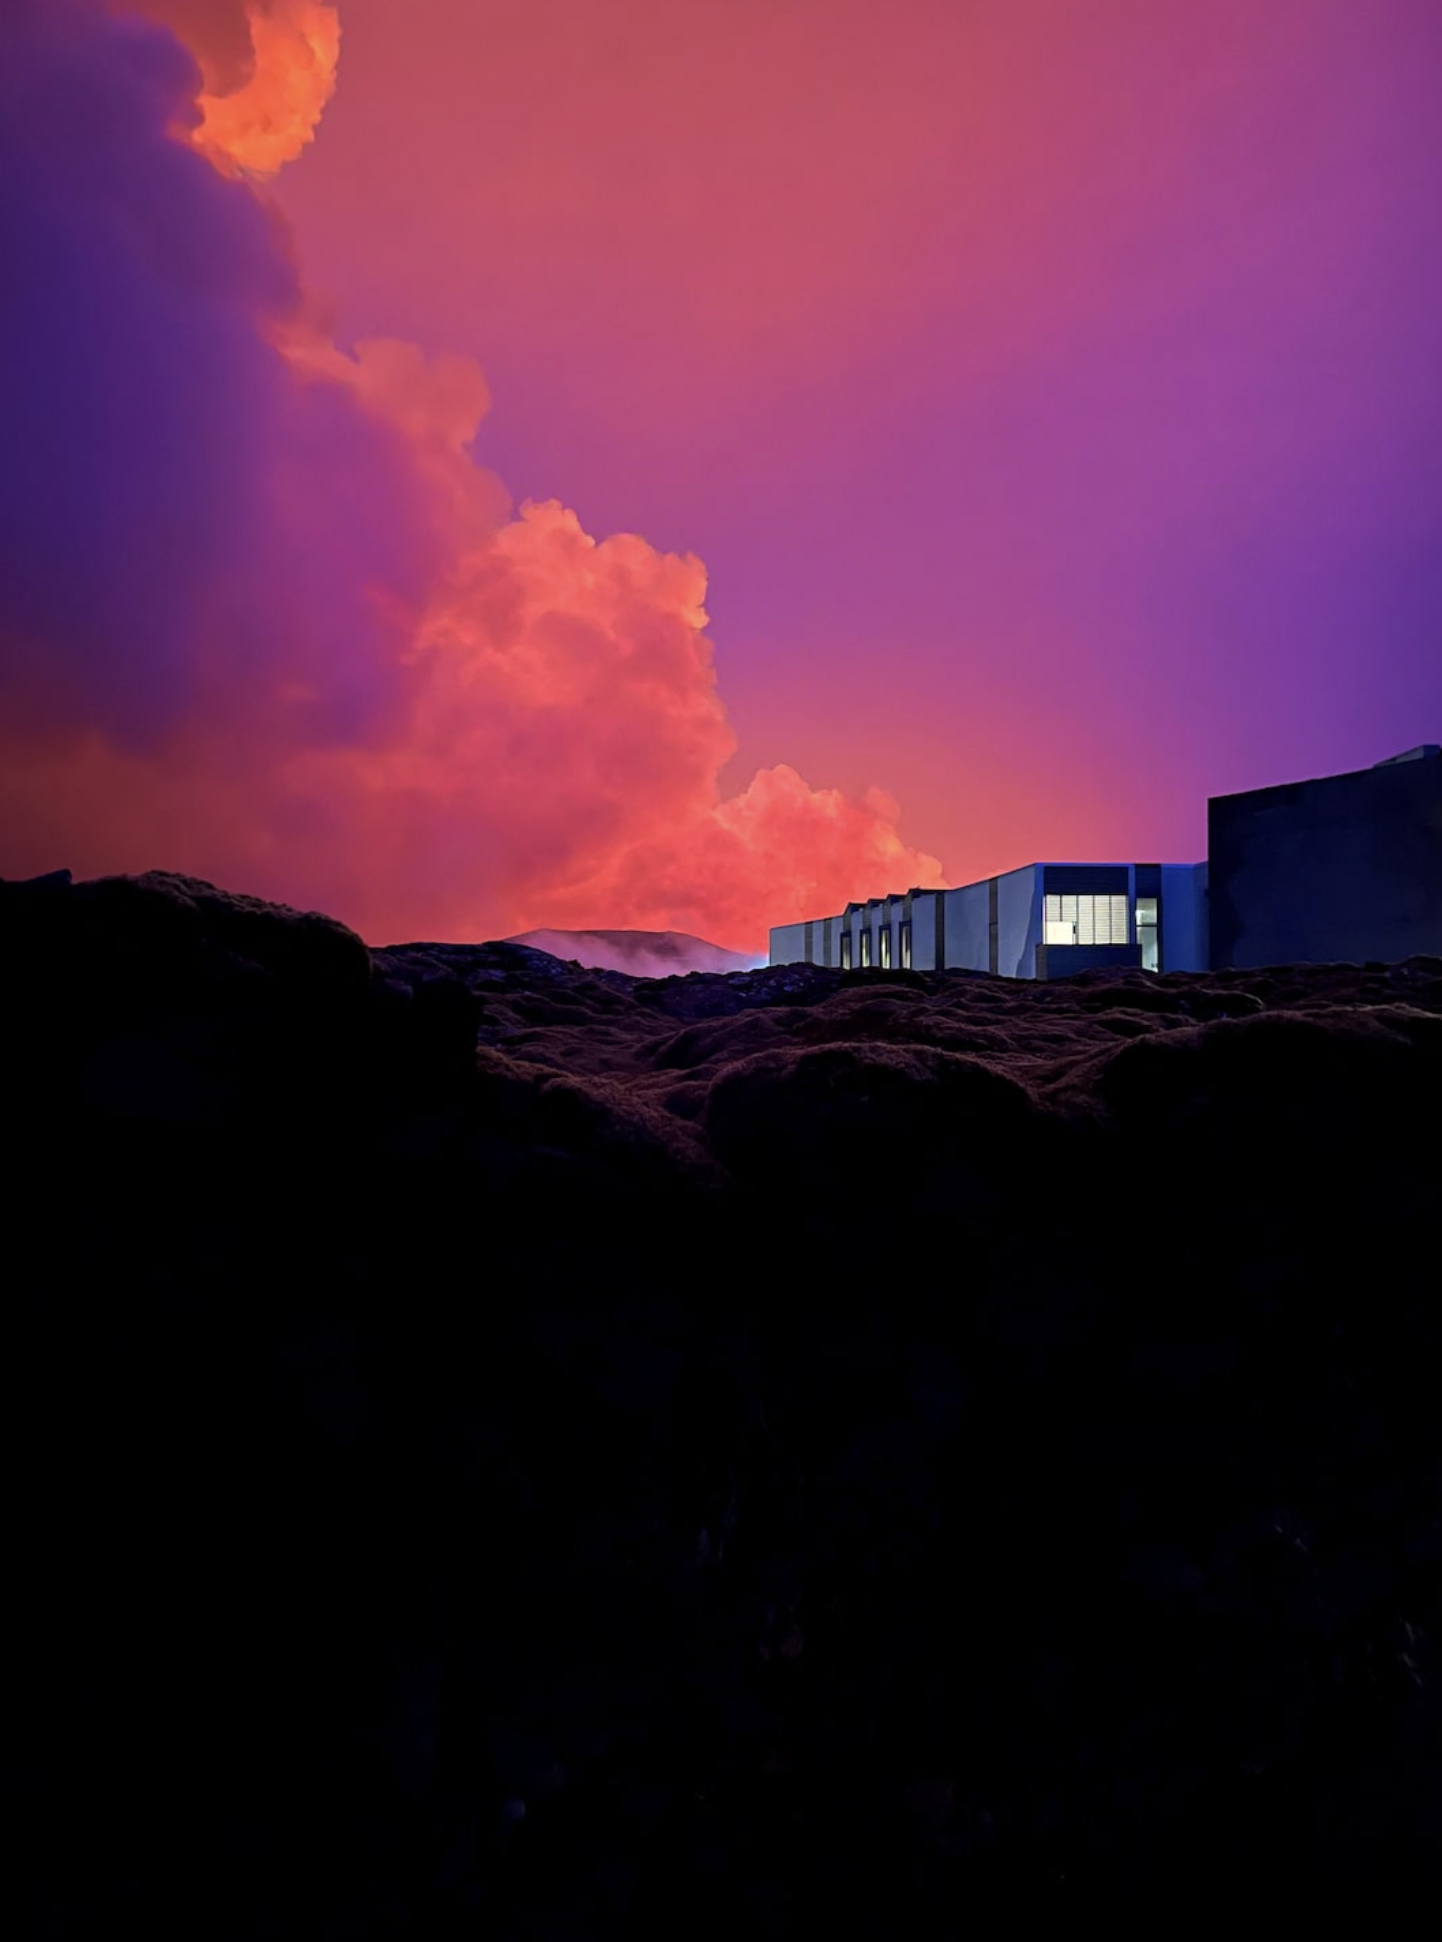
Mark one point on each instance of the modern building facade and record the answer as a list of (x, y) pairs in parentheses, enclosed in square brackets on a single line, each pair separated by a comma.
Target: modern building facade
[(1344, 868), (1042, 921)]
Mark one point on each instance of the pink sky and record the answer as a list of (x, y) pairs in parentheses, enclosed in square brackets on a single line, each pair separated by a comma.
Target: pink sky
[(1042, 398), (1050, 389)]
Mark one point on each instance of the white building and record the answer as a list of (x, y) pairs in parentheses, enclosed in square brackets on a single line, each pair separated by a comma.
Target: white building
[(1042, 921)]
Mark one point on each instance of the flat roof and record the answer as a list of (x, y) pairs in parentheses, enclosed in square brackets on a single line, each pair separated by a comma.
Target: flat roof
[(946, 890)]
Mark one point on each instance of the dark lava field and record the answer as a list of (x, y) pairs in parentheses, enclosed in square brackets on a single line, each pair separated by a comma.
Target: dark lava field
[(502, 1450)]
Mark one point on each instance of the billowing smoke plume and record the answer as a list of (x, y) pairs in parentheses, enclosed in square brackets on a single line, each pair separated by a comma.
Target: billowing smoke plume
[(640, 954), (264, 618)]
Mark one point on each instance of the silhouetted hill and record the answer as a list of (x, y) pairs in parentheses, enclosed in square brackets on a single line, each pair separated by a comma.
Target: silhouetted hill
[(500, 1448), (643, 954)]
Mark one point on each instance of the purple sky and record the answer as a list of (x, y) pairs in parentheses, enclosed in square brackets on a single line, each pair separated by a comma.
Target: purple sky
[(1050, 392)]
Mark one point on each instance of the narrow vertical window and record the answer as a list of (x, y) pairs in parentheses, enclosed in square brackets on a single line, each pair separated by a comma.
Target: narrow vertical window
[(1147, 933)]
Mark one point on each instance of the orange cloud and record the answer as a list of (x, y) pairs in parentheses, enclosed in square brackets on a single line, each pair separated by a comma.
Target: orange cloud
[(267, 123), (317, 655), (269, 68)]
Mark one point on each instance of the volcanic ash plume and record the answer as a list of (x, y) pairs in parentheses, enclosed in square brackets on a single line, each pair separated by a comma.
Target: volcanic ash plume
[(264, 618)]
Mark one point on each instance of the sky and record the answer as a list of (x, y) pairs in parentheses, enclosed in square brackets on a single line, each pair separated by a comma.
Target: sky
[(471, 465)]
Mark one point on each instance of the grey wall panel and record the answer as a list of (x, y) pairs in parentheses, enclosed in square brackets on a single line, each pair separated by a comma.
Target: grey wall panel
[(1087, 879), (788, 944), (923, 932), (1183, 904), (1346, 867), (1065, 960), (1018, 896), (966, 916)]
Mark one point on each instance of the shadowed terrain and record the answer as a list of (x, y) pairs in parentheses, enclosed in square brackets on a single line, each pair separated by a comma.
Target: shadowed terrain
[(504, 1449)]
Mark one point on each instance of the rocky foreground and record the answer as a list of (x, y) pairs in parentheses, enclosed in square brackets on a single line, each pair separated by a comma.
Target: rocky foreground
[(504, 1450)]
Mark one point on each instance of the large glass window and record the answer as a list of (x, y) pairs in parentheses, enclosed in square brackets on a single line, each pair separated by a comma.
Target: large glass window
[(1086, 920), (904, 939), (883, 941), (846, 949), (866, 947)]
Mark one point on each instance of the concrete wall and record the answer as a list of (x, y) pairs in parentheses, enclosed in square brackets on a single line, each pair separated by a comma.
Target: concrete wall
[(788, 944), (923, 931), (968, 927), (1346, 867), (1018, 912), (1065, 960), (1183, 901)]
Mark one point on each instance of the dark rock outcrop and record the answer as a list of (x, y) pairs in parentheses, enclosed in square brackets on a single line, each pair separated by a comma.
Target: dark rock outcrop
[(499, 1448)]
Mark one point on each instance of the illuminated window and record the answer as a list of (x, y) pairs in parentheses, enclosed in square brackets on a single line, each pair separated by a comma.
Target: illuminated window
[(866, 947), (846, 950), (883, 941), (903, 938), (1086, 920), (1147, 932)]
